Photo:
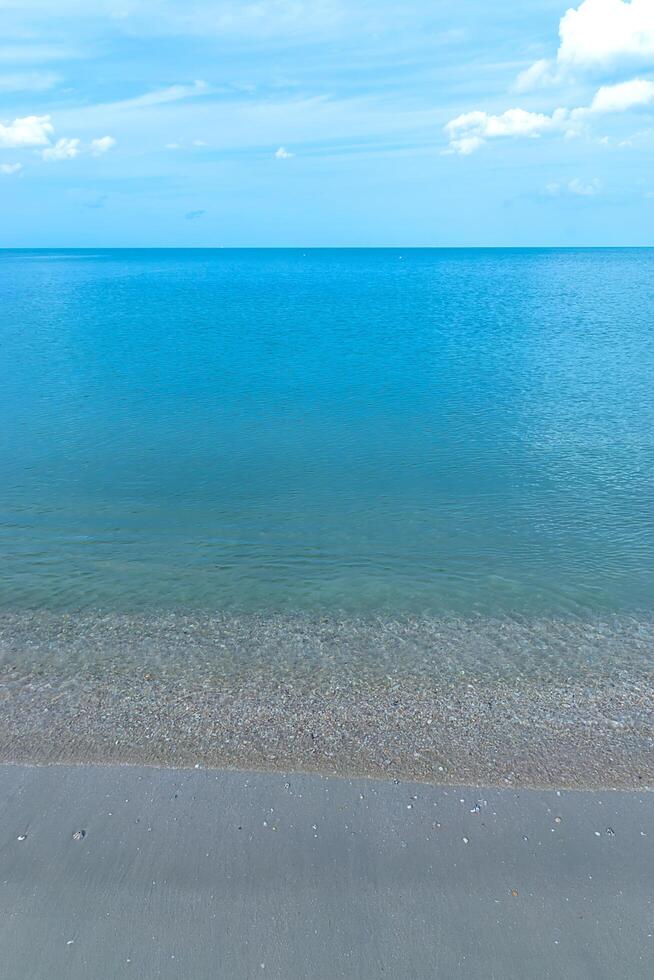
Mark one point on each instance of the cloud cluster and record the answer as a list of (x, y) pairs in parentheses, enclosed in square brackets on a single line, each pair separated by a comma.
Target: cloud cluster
[(471, 130), (283, 154), (7, 169), (596, 34), (37, 131), (68, 149)]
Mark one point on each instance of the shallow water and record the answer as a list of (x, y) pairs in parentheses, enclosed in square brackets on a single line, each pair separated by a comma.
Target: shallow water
[(364, 431), (539, 702)]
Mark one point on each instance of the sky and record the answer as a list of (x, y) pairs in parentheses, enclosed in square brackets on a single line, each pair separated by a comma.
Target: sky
[(326, 123)]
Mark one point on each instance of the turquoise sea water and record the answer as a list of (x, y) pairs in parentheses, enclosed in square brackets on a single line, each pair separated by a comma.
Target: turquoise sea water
[(372, 431)]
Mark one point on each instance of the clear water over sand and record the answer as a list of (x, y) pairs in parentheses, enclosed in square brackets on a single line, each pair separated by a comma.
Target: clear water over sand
[(378, 432)]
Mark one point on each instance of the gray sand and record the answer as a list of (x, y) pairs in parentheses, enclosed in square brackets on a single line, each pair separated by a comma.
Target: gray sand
[(133, 872), (528, 703)]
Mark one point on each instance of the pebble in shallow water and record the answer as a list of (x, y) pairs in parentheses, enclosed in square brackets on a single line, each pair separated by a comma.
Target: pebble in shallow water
[(249, 684)]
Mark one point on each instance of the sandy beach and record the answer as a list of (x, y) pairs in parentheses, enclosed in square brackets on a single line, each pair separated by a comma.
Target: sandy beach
[(208, 828), (114, 872), (210, 796)]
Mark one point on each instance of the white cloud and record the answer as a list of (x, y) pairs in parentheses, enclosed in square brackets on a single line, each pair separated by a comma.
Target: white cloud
[(102, 145), (38, 131), (512, 122), (470, 131), (623, 96), (576, 186), (596, 34), (26, 131), (63, 149), (603, 32), (283, 154), (10, 168)]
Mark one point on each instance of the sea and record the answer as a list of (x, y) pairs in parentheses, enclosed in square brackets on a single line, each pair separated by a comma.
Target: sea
[(372, 431), (247, 494)]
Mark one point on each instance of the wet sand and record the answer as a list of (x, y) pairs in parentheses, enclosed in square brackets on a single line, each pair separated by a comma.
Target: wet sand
[(541, 703), (112, 872)]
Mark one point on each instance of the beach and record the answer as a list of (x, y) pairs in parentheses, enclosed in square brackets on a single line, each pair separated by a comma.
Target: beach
[(293, 797), (128, 871)]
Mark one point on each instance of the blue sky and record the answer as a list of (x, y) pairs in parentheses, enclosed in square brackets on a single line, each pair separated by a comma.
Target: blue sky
[(330, 122)]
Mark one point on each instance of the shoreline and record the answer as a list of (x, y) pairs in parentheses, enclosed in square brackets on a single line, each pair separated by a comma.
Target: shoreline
[(121, 871), (374, 778), (481, 702)]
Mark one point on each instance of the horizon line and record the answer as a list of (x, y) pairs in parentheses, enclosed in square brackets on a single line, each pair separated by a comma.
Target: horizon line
[(313, 248)]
